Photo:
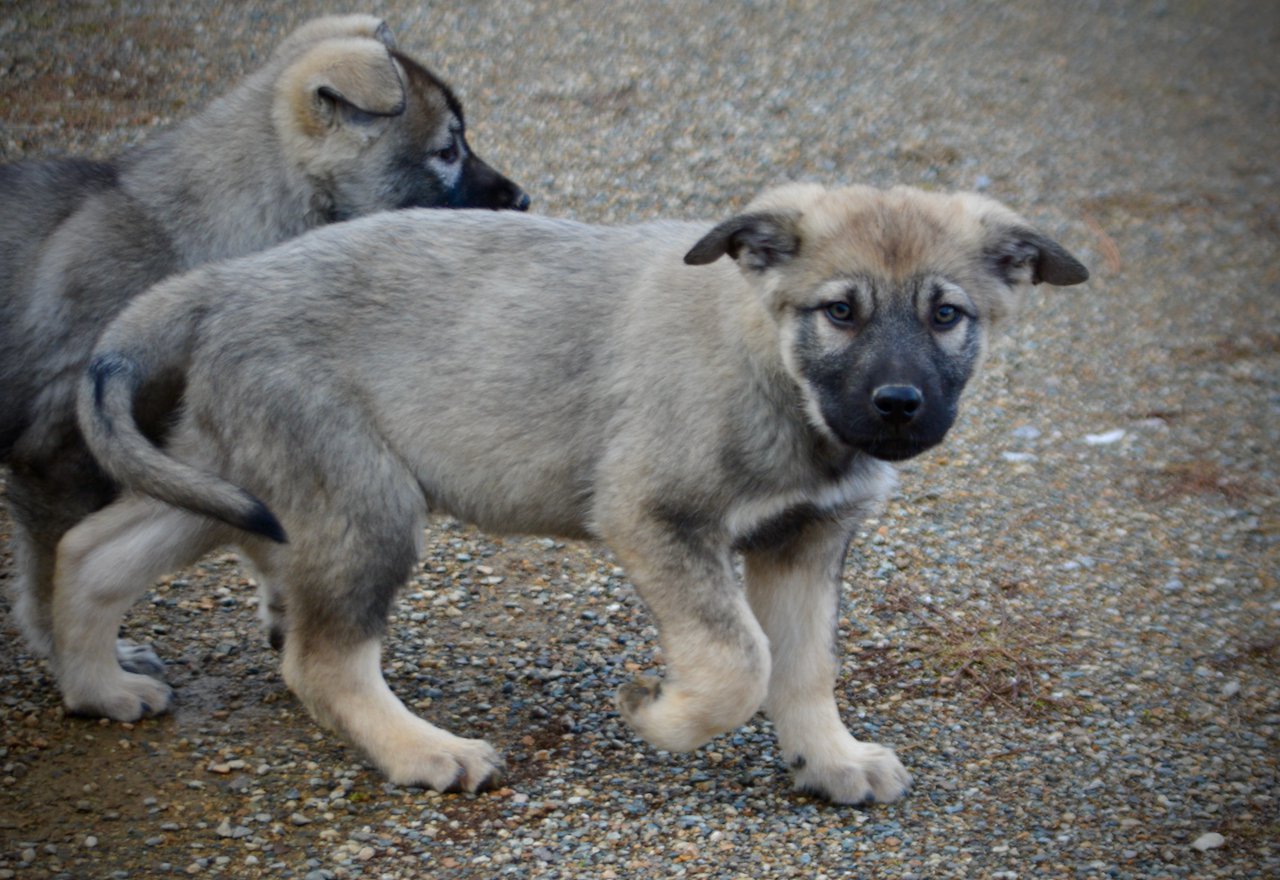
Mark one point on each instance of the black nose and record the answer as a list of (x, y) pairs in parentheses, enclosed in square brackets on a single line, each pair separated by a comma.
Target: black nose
[(897, 404), (522, 201)]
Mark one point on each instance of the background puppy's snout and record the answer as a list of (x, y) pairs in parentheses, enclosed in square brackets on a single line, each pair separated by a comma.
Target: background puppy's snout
[(897, 404)]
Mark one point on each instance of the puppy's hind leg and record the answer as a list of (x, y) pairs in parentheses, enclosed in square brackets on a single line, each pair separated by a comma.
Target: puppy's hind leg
[(339, 574), (104, 564), (341, 684), (794, 590)]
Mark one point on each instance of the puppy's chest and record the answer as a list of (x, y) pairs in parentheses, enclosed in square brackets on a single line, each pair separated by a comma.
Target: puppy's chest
[(771, 520)]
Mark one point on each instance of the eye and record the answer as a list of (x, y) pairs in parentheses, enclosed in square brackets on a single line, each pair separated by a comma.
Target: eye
[(839, 312), (945, 316), (449, 154)]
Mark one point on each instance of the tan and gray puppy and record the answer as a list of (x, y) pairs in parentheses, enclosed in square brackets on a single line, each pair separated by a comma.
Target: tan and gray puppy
[(335, 125), (540, 376)]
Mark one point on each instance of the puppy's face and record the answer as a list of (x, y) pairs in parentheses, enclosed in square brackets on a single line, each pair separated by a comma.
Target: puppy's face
[(374, 130), (427, 160), (883, 361), (884, 300)]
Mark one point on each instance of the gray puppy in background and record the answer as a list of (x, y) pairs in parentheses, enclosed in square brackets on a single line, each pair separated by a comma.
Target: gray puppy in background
[(335, 125), (540, 376)]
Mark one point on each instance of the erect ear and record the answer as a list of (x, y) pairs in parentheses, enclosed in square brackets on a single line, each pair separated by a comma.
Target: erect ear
[(345, 82), (1020, 254), (758, 241)]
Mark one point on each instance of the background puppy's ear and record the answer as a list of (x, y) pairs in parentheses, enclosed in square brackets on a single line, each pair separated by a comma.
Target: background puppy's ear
[(345, 82), (757, 241), (1020, 255)]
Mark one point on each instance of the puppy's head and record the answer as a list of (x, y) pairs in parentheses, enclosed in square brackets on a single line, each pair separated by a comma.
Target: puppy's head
[(372, 129), (884, 299)]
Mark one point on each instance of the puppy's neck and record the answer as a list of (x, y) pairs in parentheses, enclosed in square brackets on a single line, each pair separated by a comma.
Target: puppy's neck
[(207, 184)]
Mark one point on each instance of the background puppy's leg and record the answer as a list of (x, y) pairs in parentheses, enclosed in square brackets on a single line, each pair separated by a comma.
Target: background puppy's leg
[(716, 655), (44, 506), (794, 591), (271, 612), (33, 563), (104, 564)]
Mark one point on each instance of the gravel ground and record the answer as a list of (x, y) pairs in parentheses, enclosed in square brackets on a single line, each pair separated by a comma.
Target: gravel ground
[(1066, 621)]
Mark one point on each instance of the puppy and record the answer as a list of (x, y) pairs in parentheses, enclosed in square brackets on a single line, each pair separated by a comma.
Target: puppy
[(627, 384), (337, 124)]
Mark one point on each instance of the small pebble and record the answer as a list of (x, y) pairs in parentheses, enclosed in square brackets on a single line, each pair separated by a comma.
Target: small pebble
[(1209, 840)]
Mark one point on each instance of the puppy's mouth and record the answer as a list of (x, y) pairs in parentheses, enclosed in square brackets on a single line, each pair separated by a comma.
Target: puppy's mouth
[(895, 440), (897, 448), (889, 444)]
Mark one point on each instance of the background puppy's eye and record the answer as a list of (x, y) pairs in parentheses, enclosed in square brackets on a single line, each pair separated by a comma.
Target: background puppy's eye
[(448, 155), (839, 312), (946, 316)]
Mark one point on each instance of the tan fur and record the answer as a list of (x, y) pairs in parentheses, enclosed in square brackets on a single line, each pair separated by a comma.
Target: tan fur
[(360, 71)]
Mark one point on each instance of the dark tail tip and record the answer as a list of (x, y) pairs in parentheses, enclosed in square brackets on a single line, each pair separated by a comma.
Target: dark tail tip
[(263, 522), (103, 368)]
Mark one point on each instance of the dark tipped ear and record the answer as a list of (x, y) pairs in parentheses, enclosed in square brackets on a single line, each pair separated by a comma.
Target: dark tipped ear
[(1021, 254), (382, 33), (757, 241)]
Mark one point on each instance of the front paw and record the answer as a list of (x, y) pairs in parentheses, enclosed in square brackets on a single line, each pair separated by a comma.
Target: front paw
[(673, 717), (662, 716), (858, 773)]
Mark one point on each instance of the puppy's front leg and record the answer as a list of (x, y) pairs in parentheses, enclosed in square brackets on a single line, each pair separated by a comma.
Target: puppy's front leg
[(794, 587), (717, 657)]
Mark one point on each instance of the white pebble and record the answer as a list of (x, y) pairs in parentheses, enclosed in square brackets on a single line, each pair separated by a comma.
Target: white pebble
[(1208, 841), (1105, 437)]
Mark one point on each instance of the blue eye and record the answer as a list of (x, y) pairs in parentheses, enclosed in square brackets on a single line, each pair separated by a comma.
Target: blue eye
[(839, 312), (945, 316)]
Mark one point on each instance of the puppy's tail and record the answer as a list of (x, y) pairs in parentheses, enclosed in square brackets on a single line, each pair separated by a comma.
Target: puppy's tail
[(150, 341)]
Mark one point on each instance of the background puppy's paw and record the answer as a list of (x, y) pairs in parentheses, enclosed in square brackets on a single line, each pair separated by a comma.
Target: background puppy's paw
[(124, 697), (861, 773), (141, 659), (464, 765)]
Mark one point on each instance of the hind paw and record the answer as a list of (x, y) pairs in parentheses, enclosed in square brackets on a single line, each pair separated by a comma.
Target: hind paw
[(454, 765)]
